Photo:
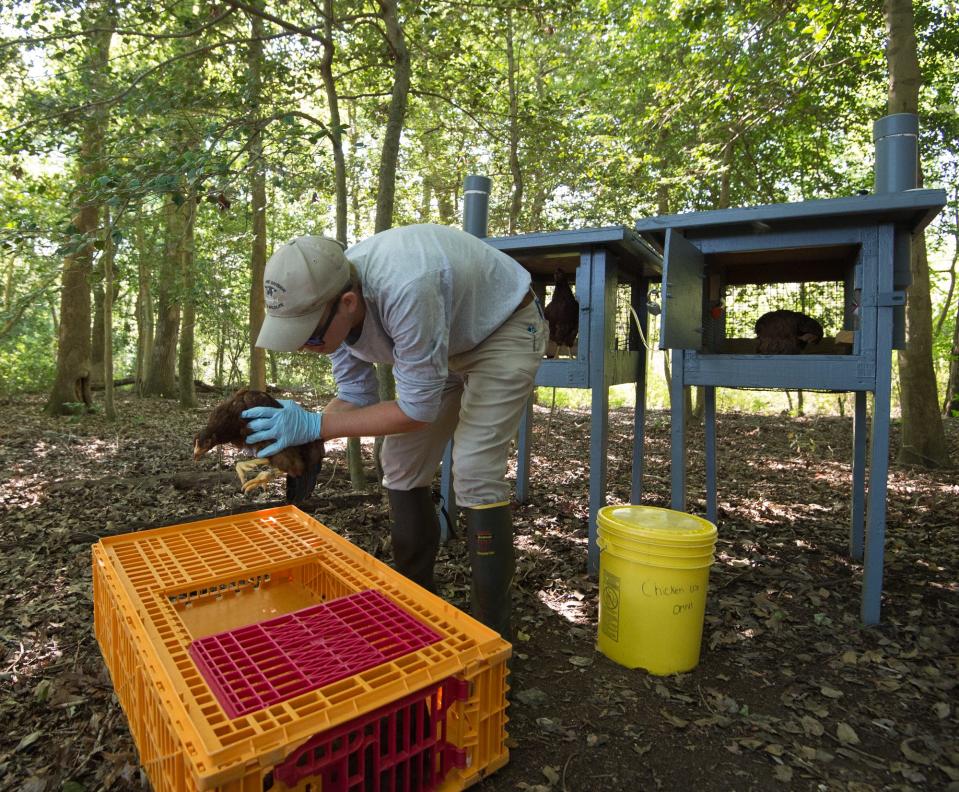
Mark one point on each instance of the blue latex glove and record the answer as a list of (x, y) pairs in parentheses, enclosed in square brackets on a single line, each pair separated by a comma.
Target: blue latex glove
[(290, 425)]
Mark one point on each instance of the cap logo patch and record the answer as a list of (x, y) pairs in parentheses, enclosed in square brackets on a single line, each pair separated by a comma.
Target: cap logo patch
[(273, 292)]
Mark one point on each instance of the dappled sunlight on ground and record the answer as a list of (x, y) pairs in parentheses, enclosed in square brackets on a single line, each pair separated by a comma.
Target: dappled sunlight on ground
[(785, 662)]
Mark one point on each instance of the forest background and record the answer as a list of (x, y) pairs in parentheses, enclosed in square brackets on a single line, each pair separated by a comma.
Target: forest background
[(152, 155)]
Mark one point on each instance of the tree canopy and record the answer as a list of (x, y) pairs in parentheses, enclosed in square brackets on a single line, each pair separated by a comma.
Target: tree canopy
[(583, 114)]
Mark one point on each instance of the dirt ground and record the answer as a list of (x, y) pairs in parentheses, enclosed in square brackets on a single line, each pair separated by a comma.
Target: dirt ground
[(791, 691)]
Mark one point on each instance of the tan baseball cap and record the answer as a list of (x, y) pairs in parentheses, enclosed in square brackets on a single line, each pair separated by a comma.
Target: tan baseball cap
[(300, 279)]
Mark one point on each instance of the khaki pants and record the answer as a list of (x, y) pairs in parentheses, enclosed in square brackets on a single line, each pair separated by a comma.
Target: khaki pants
[(484, 399)]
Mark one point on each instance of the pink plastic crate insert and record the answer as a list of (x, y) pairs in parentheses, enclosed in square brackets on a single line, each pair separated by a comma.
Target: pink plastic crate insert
[(400, 746), (253, 667)]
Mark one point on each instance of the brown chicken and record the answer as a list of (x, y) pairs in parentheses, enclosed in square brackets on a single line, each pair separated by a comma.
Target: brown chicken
[(562, 314), (301, 463), (786, 332)]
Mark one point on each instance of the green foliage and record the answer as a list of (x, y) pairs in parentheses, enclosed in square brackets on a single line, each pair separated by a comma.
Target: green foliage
[(614, 110)]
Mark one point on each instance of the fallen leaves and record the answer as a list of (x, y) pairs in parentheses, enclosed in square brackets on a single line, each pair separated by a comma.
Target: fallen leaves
[(846, 734), (790, 686)]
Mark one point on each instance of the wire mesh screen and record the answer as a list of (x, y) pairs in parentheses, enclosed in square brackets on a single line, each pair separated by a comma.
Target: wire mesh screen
[(624, 318), (822, 300)]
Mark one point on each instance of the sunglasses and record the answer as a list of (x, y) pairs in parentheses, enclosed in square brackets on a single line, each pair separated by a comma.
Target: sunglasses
[(316, 339)]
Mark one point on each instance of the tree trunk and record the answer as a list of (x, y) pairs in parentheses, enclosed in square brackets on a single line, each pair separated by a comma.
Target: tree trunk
[(219, 360), (54, 318), (336, 125), (10, 286), (187, 261), (71, 384), (161, 377), (426, 198), (446, 207), (951, 404), (96, 335), (258, 202), (144, 312), (923, 439), (386, 187), (800, 401), (354, 458), (109, 250), (537, 205), (516, 201), (353, 170)]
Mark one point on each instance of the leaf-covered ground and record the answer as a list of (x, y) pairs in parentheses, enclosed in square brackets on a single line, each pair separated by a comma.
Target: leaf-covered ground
[(791, 692)]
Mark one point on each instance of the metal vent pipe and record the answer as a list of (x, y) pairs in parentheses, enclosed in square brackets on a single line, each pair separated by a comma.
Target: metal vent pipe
[(897, 152), (897, 169), (476, 191)]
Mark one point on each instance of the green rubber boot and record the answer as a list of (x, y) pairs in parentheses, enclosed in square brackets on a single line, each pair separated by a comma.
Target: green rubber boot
[(416, 534), (490, 536)]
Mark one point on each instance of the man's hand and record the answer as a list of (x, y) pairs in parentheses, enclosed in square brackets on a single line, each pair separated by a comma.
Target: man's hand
[(289, 425)]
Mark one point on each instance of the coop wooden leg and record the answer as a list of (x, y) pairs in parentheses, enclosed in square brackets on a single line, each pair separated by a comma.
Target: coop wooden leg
[(709, 418), (639, 433), (878, 468), (602, 300), (860, 431), (677, 415), (447, 520), (598, 441)]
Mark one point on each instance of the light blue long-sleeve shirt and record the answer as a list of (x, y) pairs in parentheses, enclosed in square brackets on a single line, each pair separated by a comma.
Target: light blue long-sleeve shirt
[(431, 292)]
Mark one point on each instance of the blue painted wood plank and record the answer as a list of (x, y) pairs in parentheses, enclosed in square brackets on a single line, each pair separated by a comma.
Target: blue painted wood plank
[(879, 464), (683, 272), (823, 372), (709, 416), (786, 239), (446, 492), (570, 373), (599, 424), (860, 433), (677, 412), (913, 209), (635, 253), (638, 299)]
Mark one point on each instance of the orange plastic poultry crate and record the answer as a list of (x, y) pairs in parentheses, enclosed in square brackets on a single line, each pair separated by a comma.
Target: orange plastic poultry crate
[(158, 591)]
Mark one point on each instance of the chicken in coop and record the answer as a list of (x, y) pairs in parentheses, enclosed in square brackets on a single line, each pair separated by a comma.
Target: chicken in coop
[(301, 463), (562, 314), (786, 332)]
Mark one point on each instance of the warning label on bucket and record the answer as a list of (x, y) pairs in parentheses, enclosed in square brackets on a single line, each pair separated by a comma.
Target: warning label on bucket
[(609, 618)]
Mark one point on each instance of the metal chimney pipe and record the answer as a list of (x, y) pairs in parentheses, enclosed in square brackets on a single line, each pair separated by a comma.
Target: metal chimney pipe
[(897, 152), (476, 191), (897, 169)]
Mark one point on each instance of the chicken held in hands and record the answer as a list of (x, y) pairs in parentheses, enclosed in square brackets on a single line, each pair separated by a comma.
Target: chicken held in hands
[(300, 463)]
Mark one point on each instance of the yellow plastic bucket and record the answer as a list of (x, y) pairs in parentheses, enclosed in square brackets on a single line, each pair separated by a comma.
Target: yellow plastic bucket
[(653, 577)]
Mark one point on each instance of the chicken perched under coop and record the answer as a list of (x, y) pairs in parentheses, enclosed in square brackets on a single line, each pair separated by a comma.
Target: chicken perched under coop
[(562, 314), (301, 463), (786, 332)]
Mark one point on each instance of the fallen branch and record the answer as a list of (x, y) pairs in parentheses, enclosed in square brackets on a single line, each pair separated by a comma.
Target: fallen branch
[(310, 505), (117, 383)]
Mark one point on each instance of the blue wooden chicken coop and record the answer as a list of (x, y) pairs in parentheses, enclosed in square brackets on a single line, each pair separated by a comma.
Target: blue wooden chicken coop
[(855, 251), (611, 268)]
